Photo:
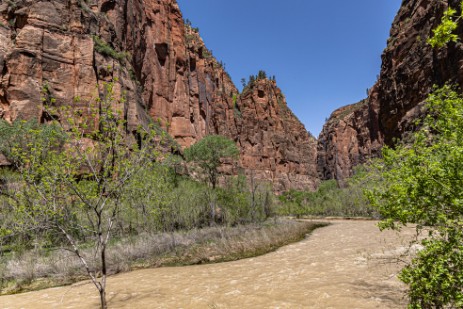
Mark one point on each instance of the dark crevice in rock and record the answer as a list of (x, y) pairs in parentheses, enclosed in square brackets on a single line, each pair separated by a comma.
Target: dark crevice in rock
[(192, 64), (108, 6), (162, 51)]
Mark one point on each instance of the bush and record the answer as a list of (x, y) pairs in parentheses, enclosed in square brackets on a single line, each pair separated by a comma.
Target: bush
[(105, 49), (332, 200)]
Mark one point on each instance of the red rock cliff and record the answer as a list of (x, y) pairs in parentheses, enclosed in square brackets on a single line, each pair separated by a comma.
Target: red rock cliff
[(66, 49), (410, 68), (273, 141)]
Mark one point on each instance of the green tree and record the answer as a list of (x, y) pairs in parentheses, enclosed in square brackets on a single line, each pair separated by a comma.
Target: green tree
[(262, 74), (73, 174), (150, 193), (209, 153), (423, 185), (243, 82), (444, 32)]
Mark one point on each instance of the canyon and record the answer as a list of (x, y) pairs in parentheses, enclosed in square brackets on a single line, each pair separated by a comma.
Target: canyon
[(67, 50), (410, 69)]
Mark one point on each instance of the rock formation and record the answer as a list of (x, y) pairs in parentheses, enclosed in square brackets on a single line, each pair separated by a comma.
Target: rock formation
[(410, 68), (349, 137), (274, 143), (68, 49)]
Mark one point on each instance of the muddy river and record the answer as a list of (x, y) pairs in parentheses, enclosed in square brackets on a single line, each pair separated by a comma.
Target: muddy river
[(344, 265)]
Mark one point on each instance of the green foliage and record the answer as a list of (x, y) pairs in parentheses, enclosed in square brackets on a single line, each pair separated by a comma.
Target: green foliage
[(73, 175), (423, 177), (105, 49), (235, 99), (158, 199), (423, 184), (24, 135), (206, 53), (434, 276), (330, 199), (444, 32), (262, 74), (248, 85), (209, 153), (242, 203)]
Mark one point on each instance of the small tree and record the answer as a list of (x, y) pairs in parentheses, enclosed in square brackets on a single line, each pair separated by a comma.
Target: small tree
[(243, 82), (209, 153), (262, 74), (73, 175)]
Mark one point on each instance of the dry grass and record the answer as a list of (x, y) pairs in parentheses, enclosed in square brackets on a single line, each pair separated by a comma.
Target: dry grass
[(35, 270)]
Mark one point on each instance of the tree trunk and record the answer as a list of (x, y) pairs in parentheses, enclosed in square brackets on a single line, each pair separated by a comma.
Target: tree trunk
[(212, 218), (103, 276), (102, 291)]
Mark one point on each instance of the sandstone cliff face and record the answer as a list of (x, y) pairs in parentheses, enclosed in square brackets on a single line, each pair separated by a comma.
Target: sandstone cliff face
[(67, 49), (349, 138), (410, 68), (274, 143), (48, 49)]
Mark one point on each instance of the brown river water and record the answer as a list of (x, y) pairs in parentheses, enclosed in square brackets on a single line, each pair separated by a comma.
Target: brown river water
[(344, 265)]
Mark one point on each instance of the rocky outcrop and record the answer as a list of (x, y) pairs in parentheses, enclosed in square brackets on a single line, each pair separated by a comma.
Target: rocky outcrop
[(62, 52), (50, 49), (274, 143), (349, 138), (410, 68)]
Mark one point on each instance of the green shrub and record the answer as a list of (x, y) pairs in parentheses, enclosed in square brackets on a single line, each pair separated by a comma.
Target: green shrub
[(330, 199), (105, 49)]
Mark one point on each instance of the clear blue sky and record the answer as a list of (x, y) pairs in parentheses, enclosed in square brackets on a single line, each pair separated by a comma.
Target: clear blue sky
[(324, 54)]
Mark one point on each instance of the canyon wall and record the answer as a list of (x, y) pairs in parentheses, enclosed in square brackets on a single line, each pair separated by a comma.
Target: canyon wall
[(410, 67), (68, 49)]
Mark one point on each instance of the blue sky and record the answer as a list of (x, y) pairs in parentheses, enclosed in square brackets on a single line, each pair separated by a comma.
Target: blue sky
[(324, 54)]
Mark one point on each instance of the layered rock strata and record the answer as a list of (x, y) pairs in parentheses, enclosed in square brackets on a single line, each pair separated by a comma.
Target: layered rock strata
[(410, 68), (68, 49), (273, 141)]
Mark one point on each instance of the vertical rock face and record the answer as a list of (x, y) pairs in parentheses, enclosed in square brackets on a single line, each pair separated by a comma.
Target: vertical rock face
[(410, 68), (49, 49), (273, 141), (68, 49), (349, 137)]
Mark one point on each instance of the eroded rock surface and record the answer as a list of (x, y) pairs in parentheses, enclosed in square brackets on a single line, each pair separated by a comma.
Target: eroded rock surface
[(274, 143), (410, 68), (68, 49)]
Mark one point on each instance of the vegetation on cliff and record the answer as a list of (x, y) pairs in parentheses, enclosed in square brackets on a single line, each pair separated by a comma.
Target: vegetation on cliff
[(422, 185)]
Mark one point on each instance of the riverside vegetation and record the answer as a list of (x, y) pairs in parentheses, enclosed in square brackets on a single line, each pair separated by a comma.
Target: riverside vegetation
[(419, 181), (89, 195), (333, 199), (422, 185), (87, 199)]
